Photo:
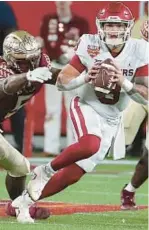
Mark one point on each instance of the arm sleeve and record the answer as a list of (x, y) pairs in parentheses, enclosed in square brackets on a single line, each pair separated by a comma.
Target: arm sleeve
[(76, 63)]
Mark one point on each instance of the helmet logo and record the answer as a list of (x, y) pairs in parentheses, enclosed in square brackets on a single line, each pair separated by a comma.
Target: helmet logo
[(102, 12), (20, 50)]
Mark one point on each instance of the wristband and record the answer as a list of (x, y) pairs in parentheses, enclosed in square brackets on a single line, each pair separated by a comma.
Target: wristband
[(127, 85)]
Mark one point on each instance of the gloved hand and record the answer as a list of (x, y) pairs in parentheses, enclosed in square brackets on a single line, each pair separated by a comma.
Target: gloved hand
[(40, 74)]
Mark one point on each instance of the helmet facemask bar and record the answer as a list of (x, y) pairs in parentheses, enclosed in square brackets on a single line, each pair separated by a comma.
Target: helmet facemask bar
[(121, 37), (17, 61)]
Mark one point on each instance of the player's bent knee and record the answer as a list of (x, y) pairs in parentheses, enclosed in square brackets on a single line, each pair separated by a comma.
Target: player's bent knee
[(91, 143), (20, 170), (12, 160)]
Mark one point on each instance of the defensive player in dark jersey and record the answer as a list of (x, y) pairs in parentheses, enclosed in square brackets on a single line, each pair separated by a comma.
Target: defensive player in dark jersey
[(23, 71)]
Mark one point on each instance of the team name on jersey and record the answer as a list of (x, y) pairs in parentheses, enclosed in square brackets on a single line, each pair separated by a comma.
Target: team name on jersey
[(126, 72)]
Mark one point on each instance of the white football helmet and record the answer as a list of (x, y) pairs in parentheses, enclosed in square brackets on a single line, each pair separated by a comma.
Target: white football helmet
[(115, 12), (21, 51)]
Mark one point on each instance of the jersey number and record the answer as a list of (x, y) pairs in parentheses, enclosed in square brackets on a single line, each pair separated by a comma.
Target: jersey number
[(111, 98)]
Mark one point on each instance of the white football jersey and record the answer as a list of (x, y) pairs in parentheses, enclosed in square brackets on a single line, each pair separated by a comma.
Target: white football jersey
[(133, 56)]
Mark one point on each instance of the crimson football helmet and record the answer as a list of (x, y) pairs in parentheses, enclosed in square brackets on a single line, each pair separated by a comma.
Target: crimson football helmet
[(21, 51), (116, 13)]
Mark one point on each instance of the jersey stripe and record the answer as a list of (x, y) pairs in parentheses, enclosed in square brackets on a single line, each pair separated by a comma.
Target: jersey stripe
[(142, 71), (76, 63), (77, 118)]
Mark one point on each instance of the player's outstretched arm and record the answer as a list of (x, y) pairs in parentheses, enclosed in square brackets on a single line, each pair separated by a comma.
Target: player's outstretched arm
[(16, 82), (67, 79), (11, 85)]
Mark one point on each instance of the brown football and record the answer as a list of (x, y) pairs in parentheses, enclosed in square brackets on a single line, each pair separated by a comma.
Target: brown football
[(101, 83)]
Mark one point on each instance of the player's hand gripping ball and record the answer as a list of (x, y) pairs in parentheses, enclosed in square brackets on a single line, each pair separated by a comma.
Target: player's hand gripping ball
[(104, 74)]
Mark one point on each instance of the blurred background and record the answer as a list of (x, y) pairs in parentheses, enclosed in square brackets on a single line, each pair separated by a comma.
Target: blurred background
[(30, 16)]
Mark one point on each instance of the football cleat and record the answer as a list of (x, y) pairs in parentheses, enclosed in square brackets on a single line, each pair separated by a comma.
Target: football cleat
[(37, 213), (128, 200), (22, 205), (39, 179)]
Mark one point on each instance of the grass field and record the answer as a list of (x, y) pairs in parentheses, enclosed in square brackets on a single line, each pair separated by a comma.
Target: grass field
[(91, 204)]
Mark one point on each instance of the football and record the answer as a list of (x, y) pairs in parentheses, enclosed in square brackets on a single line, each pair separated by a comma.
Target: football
[(102, 81)]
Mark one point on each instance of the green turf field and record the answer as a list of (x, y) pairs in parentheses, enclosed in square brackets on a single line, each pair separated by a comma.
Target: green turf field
[(101, 187)]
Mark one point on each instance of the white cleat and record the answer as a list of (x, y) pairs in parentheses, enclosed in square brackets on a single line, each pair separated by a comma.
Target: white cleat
[(39, 179), (24, 216), (21, 205)]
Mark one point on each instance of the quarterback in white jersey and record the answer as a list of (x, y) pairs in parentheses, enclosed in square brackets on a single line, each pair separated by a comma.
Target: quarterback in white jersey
[(96, 119), (102, 113), (133, 61)]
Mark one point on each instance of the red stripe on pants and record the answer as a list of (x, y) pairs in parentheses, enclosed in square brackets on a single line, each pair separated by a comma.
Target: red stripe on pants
[(80, 117)]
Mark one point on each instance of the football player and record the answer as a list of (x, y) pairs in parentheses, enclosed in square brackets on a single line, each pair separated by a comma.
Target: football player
[(141, 171), (95, 114), (23, 71), (139, 177)]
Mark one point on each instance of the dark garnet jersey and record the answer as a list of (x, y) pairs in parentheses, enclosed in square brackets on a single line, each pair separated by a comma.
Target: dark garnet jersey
[(55, 32), (9, 104)]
